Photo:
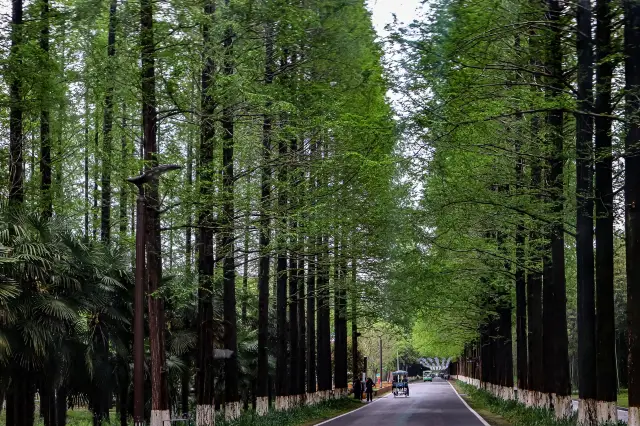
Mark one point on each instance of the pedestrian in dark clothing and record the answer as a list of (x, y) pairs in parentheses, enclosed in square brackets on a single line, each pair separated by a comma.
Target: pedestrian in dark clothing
[(357, 389), (369, 388)]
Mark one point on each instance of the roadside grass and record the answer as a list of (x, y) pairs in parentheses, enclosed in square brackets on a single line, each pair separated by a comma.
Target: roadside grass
[(623, 398), (511, 412), (302, 416)]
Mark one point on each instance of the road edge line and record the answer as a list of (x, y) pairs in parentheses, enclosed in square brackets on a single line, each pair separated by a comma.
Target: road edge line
[(352, 411), (484, 422)]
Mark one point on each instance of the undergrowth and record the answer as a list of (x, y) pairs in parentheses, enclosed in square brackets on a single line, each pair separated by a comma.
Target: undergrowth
[(515, 413)]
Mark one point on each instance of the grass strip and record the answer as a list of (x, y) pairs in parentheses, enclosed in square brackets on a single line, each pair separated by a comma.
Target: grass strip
[(511, 412), (299, 416)]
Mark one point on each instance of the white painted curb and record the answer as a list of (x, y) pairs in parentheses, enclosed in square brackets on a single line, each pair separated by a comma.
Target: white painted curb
[(484, 422)]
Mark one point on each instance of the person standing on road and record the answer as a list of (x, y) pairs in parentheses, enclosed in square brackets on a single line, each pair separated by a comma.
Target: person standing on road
[(357, 389), (369, 388)]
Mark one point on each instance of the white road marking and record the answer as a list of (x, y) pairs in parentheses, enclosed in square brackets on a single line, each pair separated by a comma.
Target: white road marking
[(484, 422)]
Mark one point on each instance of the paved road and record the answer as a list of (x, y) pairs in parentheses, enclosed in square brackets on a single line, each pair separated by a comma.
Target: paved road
[(433, 404)]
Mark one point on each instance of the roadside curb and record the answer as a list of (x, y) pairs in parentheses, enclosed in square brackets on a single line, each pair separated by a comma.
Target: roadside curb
[(350, 412), (484, 422)]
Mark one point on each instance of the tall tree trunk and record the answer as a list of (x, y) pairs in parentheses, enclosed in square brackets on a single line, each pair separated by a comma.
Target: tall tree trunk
[(520, 282), (159, 385), (282, 383), (605, 318), (323, 309), (262, 389), (107, 135), (86, 162), (293, 286), (534, 297), (555, 313), (311, 318), (584, 220), (205, 374), (354, 324), (632, 200), (293, 321), (302, 327), (340, 319), (245, 265), (45, 132), (16, 164), (124, 162), (232, 409)]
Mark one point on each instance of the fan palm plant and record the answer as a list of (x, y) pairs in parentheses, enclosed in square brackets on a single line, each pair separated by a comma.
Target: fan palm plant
[(57, 295)]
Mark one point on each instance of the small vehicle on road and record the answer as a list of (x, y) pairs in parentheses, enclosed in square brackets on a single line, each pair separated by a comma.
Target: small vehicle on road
[(426, 377), (400, 383)]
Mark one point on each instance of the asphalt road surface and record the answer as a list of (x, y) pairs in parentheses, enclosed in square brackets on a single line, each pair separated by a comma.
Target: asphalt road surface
[(429, 404)]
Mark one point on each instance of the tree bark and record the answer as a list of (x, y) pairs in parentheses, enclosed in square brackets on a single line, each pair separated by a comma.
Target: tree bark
[(282, 383), (584, 201), (45, 132), (16, 163), (632, 200), (205, 374), (228, 234), (605, 318), (262, 389), (159, 384), (107, 134), (554, 291)]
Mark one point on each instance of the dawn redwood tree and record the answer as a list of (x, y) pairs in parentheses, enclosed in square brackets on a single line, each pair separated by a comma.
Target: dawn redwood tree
[(632, 200), (107, 129), (205, 372), (227, 226), (605, 319), (159, 385), (584, 221), (282, 382), (16, 164), (520, 282), (556, 346), (45, 116), (264, 262)]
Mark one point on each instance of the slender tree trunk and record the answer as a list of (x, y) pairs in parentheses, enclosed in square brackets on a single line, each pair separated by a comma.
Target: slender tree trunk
[(605, 318), (520, 283), (86, 162), (324, 331), (282, 382), (354, 324), (302, 328), (584, 220), (534, 299), (124, 163), (45, 132), (232, 409), (555, 313), (632, 200), (340, 320), (245, 266), (159, 385), (293, 287), (107, 135), (16, 164), (311, 320), (264, 263), (205, 373)]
